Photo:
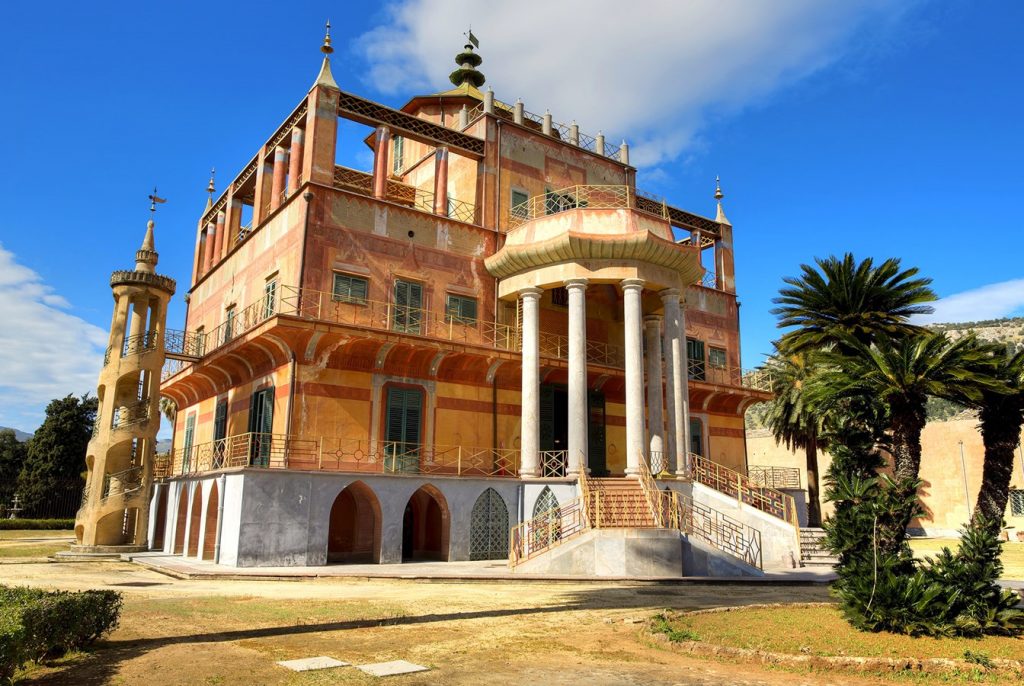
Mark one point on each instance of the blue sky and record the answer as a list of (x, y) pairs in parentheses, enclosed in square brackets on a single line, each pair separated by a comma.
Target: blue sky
[(875, 127)]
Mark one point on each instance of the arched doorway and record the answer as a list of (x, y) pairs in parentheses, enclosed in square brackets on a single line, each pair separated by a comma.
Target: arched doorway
[(194, 520), (425, 526), (180, 520), (488, 534), (160, 525), (353, 534), (210, 534)]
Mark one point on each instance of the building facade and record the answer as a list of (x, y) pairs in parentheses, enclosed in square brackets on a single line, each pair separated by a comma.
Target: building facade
[(410, 361)]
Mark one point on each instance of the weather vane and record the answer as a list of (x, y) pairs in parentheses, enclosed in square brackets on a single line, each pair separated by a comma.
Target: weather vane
[(154, 199), (472, 39)]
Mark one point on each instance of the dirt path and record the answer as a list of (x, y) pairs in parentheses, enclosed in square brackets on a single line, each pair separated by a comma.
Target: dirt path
[(232, 632)]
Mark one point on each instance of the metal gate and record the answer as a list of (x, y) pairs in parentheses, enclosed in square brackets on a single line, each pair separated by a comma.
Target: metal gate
[(489, 528)]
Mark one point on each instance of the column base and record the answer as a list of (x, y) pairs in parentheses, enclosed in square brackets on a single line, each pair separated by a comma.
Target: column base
[(529, 475)]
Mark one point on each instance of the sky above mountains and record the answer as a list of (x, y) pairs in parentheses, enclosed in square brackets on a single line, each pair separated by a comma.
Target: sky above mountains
[(874, 127)]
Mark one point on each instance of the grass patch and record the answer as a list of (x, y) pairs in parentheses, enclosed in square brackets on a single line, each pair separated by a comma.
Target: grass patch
[(660, 624), (823, 631), (1012, 557), (30, 550), (9, 535), (41, 524)]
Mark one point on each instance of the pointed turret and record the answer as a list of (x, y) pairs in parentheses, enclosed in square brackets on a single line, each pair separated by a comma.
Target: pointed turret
[(325, 77), (720, 216), (210, 189)]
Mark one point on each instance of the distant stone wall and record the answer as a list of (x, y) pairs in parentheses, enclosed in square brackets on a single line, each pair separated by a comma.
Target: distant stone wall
[(947, 501)]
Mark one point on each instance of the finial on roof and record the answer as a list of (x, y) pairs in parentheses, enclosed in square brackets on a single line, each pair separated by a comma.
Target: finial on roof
[(720, 215), (211, 189), (146, 256), (468, 62), (326, 47), (325, 77)]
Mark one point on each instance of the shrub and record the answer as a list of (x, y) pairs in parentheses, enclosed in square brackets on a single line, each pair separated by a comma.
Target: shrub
[(37, 524), (661, 624), (35, 624)]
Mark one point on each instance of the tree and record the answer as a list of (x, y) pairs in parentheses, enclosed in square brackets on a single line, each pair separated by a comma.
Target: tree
[(52, 471), (1001, 412), (12, 457), (793, 423), (845, 298)]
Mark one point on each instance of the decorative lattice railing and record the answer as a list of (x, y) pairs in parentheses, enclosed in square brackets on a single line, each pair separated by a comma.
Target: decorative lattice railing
[(774, 477)]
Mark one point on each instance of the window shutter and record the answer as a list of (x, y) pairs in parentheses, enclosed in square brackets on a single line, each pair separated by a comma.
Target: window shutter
[(546, 423), (220, 422)]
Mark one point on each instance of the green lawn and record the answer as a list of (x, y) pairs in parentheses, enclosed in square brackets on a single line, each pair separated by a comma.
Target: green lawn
[(823, 631), (26, 550), (35, 533), (1013, 553)]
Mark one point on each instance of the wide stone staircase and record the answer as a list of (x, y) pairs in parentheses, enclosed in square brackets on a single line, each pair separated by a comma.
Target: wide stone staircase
[(619, 504), (813, 552)]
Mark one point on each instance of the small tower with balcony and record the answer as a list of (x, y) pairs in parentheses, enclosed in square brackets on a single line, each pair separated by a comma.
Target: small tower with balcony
[(115, 504)]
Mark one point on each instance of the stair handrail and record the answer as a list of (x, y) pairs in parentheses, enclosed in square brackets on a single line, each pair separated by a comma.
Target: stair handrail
[(548, 529), (651, 493), (589, 497), (730, 482)]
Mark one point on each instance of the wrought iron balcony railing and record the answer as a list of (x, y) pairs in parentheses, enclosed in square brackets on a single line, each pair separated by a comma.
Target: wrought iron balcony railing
[(123, 482), (128, 415), (279, 451), (403, 194), (587, 197)]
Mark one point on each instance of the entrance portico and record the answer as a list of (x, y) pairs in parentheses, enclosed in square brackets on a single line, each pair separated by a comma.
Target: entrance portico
[(578, 250)]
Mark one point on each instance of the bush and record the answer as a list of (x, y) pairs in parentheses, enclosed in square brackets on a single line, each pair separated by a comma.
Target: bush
[(35, 624), (37, 524)]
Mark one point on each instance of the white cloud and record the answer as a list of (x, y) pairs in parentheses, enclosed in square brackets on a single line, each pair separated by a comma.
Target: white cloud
[(649, 71), (45, 351), (993, 301)]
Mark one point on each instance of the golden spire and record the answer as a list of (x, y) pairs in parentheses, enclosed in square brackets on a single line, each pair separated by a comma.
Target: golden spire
[(718, 189), (146, 256), (325, 78), (326, 47)]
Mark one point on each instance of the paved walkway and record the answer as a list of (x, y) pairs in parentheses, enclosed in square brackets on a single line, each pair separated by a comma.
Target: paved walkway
[(485, 570)]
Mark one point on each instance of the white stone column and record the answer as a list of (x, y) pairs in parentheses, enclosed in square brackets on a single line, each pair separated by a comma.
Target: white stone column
[(684, 397), (529, 431), (655, 419), (674, 351), (633, 319), (577, 457)]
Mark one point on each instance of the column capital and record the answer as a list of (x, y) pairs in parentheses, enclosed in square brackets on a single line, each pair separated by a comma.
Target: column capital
[(576, 283), (531, 292), (221, 216), (280, 150), (297, 134), (669, 293), (630, 284)]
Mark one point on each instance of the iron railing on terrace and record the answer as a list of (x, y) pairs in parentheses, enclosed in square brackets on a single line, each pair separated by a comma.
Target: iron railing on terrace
[(565, 132), (587, 197), (383, 316), (774, 477), (279, 451)]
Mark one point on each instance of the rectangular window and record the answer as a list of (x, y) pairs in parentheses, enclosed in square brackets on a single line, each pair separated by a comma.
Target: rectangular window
[(1017, 503), (350, 289), (695, 358), (261, 427), (199, 346), (460, 309), (560, 202), (229, 324), (399, 156), (270, 297), (560, 296), (716, 358), (519, 205), (404, 421), (408, 312), (697, 437)]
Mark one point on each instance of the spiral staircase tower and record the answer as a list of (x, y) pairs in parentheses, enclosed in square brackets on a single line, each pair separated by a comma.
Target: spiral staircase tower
[(114, 516)]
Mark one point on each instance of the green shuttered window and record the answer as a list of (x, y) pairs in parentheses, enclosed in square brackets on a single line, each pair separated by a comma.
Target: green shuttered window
[(350, 289), (460, 309)]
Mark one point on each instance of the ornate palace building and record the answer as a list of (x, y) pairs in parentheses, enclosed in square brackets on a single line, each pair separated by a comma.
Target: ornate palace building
[(491, 345)]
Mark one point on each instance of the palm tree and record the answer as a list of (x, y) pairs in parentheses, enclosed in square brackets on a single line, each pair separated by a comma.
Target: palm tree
[(168, 408), (1001, 412), (902, 373), (791, 421), (843, 297)]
